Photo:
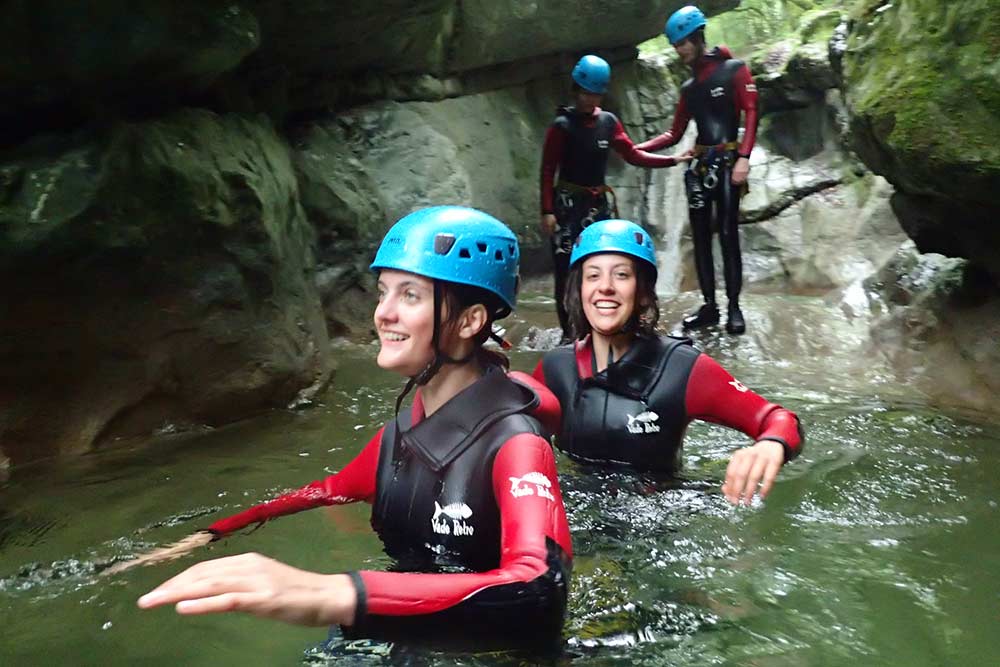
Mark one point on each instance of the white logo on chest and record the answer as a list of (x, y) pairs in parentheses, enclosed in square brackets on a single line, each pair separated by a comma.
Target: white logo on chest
[(644, 422), (718, 91), (532, 484), (602, 143), (458, 513), (739, 386)]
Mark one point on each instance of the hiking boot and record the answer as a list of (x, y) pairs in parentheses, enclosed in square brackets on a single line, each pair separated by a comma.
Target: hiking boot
[(735, 323), (706, 316)]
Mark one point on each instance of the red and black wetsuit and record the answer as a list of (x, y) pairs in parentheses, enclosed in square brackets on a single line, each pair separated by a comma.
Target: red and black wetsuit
[(576, 146), (720, 91), (471, 489), (636, 410)]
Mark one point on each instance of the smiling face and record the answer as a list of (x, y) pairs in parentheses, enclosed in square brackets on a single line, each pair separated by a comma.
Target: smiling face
[(608, 292), (404, 320)]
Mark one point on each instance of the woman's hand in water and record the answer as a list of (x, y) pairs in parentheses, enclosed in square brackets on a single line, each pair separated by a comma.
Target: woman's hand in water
[(260, 586), (751, 467), (161, 554)]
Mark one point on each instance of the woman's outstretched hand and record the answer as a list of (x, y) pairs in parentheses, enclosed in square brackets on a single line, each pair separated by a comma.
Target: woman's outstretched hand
[(163, 554), (751, 467), (261, 586)]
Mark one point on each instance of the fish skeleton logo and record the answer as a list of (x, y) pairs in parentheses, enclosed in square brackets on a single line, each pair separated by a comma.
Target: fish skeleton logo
[(739, 386), (644, 422), (458, 513), (602, 143), (522, 486), (718, 91)]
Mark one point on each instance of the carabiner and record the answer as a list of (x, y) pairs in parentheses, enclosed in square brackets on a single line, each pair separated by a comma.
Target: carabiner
[(711, 179)]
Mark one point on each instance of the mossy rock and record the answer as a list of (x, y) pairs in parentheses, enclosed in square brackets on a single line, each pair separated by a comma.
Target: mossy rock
[(159, 274), (922, 84)]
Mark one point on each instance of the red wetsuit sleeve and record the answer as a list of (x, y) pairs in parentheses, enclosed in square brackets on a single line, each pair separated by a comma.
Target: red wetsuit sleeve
[(533, 521), (355, 482), (713, 395), (624, 146), (552, 152), (548, 412), (681, 119), (746, 101)]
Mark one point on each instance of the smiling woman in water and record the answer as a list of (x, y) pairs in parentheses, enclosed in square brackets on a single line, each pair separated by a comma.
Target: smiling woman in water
[(628, 394), (462, 480)]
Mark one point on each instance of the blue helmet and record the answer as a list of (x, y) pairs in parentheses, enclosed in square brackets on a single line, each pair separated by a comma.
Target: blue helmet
[(456, 244), (683, 22), (592, 73), (620, 236)]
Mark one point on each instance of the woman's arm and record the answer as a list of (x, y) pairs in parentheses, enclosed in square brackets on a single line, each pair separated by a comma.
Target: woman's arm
[(527, 588), (713, 395), (534, 554), (548, 412), (552, 151), (624, 146), (355, 482)]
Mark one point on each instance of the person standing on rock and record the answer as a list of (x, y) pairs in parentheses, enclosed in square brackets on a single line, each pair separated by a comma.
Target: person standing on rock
[(719, 92), (576, 149), (628, 393), (462, 485)]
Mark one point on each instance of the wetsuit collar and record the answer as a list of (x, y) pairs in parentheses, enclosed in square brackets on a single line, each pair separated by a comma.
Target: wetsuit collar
[(464, 418), (710, 58), (584, 353), (572, 112)]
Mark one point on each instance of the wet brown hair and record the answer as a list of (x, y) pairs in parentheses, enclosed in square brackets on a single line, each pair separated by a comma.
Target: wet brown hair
[(455, 298)]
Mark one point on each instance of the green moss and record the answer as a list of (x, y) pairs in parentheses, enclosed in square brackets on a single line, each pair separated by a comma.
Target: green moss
[(757, 22), (921, 72)]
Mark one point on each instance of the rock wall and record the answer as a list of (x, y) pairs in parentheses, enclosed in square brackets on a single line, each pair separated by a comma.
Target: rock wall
[(156, 275), (923, 90), (190, 191), (391, 157)]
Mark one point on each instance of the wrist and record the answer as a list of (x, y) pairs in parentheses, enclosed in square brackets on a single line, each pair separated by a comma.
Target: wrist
[(780, 446), (340, 599)]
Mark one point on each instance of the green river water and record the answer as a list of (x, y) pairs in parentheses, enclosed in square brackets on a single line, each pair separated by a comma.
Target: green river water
[(878, 546)]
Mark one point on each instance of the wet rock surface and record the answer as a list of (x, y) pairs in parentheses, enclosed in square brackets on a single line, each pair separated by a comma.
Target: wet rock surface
[(156, 276)]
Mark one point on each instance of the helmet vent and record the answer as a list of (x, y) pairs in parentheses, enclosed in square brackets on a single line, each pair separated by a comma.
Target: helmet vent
[(638, 238), (443, 243), (481, 246), (498, 255), (510, 250), (464, 253)]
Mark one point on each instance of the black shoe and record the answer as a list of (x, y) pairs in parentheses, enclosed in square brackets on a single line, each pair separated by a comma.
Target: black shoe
[(735, 323), (706, 316)]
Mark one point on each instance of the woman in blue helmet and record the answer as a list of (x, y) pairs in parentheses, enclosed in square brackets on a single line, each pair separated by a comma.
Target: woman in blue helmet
[(462, 480), (576, 152), (628, 394)]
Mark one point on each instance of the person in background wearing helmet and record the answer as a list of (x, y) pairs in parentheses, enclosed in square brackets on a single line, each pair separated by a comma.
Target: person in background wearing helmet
[(628, 394), (718, 93), (462, 480), (576, 147)]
